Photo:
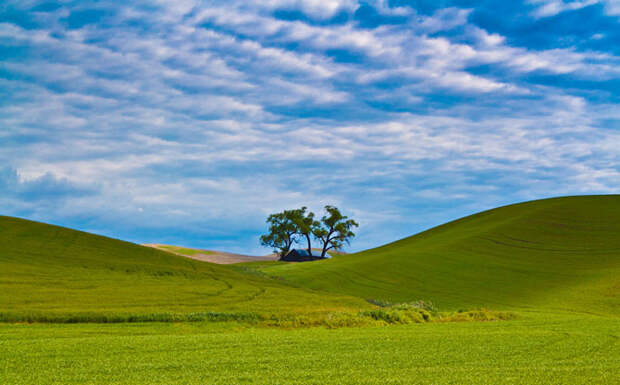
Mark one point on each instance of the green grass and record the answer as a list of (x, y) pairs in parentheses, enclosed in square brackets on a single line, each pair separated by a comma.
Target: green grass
[(53, 273), (558, 254), (547, 270), (545, 349)]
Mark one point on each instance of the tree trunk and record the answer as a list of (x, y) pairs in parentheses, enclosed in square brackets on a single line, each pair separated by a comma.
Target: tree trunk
[(309, 246), (326, 243), (325, 246)]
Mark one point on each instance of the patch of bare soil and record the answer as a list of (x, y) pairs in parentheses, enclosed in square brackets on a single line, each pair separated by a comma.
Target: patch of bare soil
[(219, 257)]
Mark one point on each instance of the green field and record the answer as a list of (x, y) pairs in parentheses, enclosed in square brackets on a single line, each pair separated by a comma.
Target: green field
[(554, 264), (547, 350)]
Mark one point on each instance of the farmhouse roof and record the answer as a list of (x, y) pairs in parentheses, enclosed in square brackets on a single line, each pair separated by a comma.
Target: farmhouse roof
[(315, 253)]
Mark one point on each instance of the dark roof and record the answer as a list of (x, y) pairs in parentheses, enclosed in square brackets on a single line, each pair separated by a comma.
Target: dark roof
[(315, 253)]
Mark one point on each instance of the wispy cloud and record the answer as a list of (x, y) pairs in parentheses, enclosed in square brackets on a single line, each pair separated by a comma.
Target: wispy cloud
[(194, 125), (547, 8)]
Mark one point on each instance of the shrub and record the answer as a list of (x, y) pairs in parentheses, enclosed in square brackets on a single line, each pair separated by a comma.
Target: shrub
[(379, 302), (399, 315), (426, 305), (477, 315)]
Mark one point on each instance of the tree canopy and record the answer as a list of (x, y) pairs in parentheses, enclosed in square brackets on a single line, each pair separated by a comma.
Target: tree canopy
[(282, 231), (288, 227), (334, 230)]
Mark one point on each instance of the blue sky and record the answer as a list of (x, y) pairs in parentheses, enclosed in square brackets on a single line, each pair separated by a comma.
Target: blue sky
[(188, 122)]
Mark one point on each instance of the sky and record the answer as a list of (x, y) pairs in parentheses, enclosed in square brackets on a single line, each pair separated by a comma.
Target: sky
[(188, 122)]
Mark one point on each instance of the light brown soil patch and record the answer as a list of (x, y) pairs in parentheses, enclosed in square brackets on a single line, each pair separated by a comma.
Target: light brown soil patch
[(219, 257)]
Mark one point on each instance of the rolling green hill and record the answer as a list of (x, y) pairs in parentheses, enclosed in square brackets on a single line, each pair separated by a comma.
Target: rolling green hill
[(50, 271), (554, 254), (559, 258)]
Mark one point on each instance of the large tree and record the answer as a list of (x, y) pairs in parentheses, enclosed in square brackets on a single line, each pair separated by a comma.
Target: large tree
[(286, 227), (282, 231), (333, 230)]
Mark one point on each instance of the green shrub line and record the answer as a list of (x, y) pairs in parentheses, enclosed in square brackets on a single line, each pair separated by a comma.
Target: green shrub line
[(419, 304), (129, 318), (396, 314)]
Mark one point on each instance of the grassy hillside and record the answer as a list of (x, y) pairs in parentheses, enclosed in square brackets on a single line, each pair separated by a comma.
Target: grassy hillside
[(54, 271), (555, 254)]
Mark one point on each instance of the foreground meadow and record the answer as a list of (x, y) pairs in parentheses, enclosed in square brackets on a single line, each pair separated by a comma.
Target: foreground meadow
[(537, 349)]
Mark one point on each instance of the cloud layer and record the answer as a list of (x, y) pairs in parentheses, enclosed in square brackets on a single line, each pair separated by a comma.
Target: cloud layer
[(188, 122)]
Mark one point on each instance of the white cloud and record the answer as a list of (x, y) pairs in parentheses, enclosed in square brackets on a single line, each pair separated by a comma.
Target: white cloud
[(547, 8), (443, 19), (612, 7), (320, 9), (372, 42), (397, 47), (212, 112), (384, 8), (486, 39)]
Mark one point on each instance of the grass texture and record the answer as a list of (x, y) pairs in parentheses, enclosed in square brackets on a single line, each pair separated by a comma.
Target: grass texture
[(545, 349), (49, 272), (557, 254)]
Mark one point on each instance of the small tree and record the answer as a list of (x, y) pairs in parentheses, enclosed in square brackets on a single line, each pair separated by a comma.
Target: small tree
[(334, 230), (282, 230)]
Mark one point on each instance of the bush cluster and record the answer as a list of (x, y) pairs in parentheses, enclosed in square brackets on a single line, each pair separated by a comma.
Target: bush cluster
[(400, 314)]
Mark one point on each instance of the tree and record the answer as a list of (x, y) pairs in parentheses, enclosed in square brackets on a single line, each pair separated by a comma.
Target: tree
[(305, 224), (334, 229), (285, 228), (282, 230)]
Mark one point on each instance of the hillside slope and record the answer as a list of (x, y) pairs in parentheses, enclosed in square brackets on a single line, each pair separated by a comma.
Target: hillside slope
[(213, 256), (56, 271), (556, 254)]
